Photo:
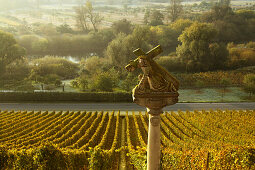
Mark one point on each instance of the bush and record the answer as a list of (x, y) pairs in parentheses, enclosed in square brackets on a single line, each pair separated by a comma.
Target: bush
[(249, 83), (171, 63), (241, 55), (48, 66)]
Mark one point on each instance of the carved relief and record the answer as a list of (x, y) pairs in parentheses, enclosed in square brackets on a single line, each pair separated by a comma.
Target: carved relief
[(155, 78), (155, 121)]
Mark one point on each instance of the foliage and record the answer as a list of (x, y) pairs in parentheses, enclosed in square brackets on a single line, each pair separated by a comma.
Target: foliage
[(64, 28), (49, 156), (9, 51), (156, 18), (18, 70), (175, 10), (171, 63), (33, 44), (241, 55), (180, 25), (85, 13), (231, 26), (105, 81), (198, 50), (3, 157), (165, 36), (249, 83), (122, 26), (81, 83), (93, 65), (49, 68), (210, 139), (94, 17), (67, 44), (46, 29), (212, 79), (129, 82), (120, 49)]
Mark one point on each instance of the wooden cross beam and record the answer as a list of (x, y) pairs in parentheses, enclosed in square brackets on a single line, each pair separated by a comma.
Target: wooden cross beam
[(151, 54)]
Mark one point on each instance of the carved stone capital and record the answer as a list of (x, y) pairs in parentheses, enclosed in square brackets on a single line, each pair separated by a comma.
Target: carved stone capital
[(154, 102), (155, 120)]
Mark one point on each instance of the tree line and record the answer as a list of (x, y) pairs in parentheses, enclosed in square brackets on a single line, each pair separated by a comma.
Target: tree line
[(220, 39)]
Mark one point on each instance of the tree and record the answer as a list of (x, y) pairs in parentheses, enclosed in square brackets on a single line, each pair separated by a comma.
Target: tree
[(86, 14), (129, 82), (53, 66), (219, 11), (10, 51), (175, 9), (224, 83), (46, 29), (18, 70), (35, 45), (64, 28), (105, 81), (94, 17), (166, 37), (120, 49), (249, 83), (82, 18), (218, 54), (195, 49), (117, 53), (156, 18), (93, 65), (224, 2), (123, 26), (180, 25), (146, 17)]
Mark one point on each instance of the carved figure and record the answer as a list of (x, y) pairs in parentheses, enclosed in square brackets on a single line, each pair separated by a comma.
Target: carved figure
[(155, 78)]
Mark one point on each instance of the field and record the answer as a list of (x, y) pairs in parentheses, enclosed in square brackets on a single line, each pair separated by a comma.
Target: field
[(215, 139), (58, 13)]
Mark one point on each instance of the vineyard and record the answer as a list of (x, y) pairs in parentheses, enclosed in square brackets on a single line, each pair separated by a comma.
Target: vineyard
[(107, 140)]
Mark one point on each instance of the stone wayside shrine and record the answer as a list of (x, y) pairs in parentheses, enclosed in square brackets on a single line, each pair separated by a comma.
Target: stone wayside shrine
[(156, 89)]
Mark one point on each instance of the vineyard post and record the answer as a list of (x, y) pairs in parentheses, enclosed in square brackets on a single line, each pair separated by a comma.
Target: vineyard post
[(156, 89)]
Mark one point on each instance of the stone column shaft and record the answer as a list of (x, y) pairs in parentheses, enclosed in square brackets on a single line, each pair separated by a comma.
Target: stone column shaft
[(153, 148)]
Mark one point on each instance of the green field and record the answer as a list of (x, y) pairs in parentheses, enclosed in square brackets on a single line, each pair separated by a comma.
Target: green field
[(8, 21), (215, 139)]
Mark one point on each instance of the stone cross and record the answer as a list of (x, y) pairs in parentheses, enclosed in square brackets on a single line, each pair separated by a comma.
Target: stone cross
[(156, 89)]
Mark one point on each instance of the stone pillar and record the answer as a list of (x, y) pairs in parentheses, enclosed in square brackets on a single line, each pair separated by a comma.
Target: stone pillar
[(153, 147)]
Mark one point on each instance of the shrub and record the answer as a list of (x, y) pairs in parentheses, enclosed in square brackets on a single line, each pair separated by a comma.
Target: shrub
[(249, 83)]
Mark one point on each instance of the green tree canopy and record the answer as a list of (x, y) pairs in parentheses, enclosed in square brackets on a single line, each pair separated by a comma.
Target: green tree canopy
[(156, 18), (120, 49), (175, 9), (123, 26), (180, 25), (249, 83), (10, 51), (198, 50), (46, 67)]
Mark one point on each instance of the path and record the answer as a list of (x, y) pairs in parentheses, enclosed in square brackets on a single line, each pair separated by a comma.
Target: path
[(123, 106), (122, 165)]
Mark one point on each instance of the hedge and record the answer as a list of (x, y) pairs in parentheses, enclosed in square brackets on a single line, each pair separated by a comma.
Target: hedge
[(65, 97)]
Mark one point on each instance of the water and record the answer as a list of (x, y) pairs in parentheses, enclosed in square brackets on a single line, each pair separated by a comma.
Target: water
[(73, 59)]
